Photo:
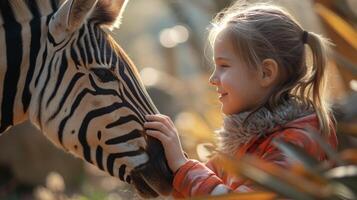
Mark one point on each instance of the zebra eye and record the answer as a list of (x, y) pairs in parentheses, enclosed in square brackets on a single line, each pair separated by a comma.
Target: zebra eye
[(104, 75)]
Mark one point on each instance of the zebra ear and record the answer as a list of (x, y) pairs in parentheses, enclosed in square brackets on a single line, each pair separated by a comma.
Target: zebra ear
[(70, 17), (109, 12)]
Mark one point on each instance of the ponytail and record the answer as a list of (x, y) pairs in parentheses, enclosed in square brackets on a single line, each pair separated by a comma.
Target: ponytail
[(312, 87)]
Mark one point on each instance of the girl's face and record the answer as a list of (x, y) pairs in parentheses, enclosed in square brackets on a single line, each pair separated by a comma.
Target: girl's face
[(237, 85)]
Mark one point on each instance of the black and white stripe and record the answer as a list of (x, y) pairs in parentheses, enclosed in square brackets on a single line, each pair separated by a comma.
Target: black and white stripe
[(82, 92)]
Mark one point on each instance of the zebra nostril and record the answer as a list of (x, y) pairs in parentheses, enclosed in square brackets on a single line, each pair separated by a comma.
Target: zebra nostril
[(128, 179), (99, 135), (156, 172)]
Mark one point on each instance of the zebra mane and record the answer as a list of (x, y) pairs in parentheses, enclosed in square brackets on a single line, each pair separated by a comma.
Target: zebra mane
[(116, 47)]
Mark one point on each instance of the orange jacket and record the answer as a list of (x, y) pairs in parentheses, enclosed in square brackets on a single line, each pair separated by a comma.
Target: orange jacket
[(197, 179)]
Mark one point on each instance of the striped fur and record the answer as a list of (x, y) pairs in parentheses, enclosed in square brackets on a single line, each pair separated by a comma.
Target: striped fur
[(83, 93)]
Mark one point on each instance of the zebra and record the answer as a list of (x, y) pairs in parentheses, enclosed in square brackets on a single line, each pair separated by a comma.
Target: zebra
[(60, 69)]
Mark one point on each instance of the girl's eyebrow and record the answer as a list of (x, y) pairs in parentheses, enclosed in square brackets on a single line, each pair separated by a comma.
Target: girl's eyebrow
[(221, 58)]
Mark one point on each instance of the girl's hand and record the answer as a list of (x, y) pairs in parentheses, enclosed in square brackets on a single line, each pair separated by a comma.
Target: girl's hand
[(162, 128)]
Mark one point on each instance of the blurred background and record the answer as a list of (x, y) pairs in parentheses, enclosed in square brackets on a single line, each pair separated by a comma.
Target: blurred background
[(167, 40)]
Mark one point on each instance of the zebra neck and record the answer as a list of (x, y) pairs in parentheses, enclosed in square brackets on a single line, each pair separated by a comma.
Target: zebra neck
[(21, 26)]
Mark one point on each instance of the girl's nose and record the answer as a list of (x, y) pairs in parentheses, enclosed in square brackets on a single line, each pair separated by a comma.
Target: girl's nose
[(213, 79)]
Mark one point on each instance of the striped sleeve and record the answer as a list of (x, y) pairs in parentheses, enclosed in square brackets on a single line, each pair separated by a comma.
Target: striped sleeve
[(198, 179), (195, 179)]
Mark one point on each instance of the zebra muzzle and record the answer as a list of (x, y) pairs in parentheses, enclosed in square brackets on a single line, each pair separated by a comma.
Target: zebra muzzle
[(155, 177)]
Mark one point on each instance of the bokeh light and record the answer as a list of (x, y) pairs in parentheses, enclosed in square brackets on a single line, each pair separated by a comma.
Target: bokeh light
[(150, 76), (353, 85), (171, 37)]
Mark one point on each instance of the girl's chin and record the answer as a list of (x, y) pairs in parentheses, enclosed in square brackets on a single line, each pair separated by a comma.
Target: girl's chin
[(230, 111), (226, 110)]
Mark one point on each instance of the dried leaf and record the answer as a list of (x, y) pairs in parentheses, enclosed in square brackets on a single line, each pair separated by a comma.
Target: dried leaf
[(346, 175), (349, 155), (346, 31), (297, 153)]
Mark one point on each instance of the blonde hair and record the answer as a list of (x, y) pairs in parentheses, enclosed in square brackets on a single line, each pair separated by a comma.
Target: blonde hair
[(261, 31)]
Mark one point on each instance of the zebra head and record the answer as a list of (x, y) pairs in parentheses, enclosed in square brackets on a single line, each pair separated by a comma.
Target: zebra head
[(89, 99)]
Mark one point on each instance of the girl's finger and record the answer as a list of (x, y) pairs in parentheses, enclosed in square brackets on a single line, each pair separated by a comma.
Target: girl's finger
[(167, 118), (158, 135), (157, 126), (160, 118)]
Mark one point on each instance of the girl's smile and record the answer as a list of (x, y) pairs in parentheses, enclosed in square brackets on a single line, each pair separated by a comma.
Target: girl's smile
[(221, 95)]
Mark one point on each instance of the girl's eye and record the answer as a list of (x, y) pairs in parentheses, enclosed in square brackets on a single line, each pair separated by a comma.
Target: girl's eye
[(104, 75), (224, 66)]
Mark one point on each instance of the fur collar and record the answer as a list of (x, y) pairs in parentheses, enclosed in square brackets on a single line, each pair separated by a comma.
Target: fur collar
[(234, 133)]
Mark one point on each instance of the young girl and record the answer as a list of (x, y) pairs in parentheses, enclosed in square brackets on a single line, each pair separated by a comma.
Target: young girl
[(266, 90)]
